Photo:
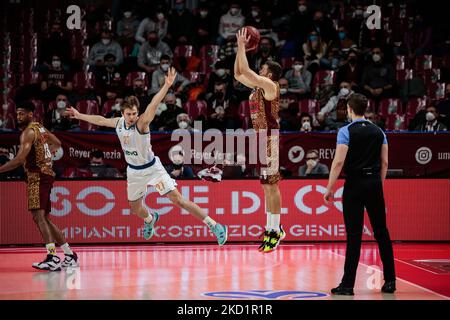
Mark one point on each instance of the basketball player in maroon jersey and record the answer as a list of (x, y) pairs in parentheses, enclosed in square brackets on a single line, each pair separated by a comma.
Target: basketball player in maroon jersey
[(37, 145), (264, 107)]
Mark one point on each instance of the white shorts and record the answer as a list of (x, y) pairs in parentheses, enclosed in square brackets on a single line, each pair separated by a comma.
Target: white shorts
[(156, 176)]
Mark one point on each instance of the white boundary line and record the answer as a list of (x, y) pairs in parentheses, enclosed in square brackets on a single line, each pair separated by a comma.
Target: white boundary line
[(413, 265)]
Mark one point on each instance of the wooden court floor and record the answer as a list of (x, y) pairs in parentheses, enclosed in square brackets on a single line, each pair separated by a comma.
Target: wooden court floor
[(235, 271)]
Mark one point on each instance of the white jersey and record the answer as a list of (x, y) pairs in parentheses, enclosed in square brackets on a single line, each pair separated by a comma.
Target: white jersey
[(136, 146)]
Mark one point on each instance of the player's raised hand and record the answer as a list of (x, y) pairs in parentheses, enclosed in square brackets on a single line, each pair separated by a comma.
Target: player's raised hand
[(242, 38), (72, 112), (171, 75)]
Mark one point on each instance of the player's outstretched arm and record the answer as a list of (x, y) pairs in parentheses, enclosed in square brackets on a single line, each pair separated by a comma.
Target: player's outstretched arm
[(246, 75), (94, 119), (26, 142), (149, 114)]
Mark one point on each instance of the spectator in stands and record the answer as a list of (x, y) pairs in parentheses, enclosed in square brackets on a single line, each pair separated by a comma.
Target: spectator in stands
[(159, 74), (127, 27), (314, 50), (301, 21), (265, 52), (364, 37), (351, 71), (418, 38), (108, 75), (151, 51), (345, 42), (223, 108), (444, 107), (431, 123), (105, 46), (156, 23), (116, 109), (306, 122), (238, 169), (60, 120), (178, 170), (374, 118), (140, 91), (313, 166), (55, 45), (334, 113), (205, 27), (185, 122), (168, 118), (299, 79), (220, 74), (181, 24), (55, 80), (378, 78), (259, 19), (230, 23), (99, 169), (286, 97), (323, 26)]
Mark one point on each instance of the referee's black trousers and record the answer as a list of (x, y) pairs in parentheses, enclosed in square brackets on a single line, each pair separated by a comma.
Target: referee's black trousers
[(359, 192)]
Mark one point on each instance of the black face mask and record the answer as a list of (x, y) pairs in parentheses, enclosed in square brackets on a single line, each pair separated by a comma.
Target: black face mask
[(139, 90), (170, 105), (352, 60), (55, 35), (177, 166), (265, 49), (219, 95), (153, 42)]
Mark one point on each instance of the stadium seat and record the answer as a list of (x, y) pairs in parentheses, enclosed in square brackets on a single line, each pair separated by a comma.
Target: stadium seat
[(195, 109), (209, 56), (87, 107), (436, 91), (136, 75), (395, 122), (309, 106), (83, 81), (390, 107), (286, 63), (424, 62), (371, 105), (413, 106), (323, 78), (39, 111), (107, 107)]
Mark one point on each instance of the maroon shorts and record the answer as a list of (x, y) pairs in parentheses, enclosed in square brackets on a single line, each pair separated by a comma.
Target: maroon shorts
[(39, 187)]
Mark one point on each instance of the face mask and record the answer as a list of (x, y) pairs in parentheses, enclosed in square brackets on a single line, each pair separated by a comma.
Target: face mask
[(61, 104), (376, 57), (160, 16), (352, 60), (106, 41), (306, 125), (153, 42), (116, 107), (138, 90), (220, 72), (313, 163), (183, 124), (127, 14), (298, 67), (234, 11), (179, 7), (283, 91), (255, 13), (56, 34), (5, 107), (170, 105), (219, 95), (165, 67), (313, 38), (366, 14), (358, 12), (302, 8), (56, 63), (203, 14), (265, 49), (343, 92), (430, 116), (342, 35), (161, 108)]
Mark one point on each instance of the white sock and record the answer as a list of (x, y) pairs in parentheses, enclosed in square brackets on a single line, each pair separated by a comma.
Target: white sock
[(275, 222), (149, 218), (209, 222), (66, 248), (268, 220), (51, 248)]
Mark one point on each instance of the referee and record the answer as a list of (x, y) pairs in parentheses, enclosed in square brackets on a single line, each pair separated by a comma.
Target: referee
[(362, 151)]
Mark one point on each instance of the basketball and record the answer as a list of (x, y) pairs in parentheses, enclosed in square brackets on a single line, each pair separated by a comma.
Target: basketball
[(254, 38)]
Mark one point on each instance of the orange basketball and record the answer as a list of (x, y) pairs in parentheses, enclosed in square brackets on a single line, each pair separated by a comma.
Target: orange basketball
[(254, 38)]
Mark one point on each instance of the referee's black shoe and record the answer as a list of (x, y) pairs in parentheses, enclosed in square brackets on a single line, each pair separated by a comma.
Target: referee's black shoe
[(388, 287), (342, 291)]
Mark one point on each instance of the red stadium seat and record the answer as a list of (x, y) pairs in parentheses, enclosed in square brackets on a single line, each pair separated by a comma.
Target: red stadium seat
[(209, 55), (83, 81), (400, 62), (185, 51), (39, 111), (395, 122), (87, 107), (390, 107), (107, 106), (323, 78), (194, 76), (244, 114), (371, 105), (414, 106), (286, 63), (431, 76), (196, 108), (403, 75), (309, 106), (424, 62), (136, 75), (436, 91)]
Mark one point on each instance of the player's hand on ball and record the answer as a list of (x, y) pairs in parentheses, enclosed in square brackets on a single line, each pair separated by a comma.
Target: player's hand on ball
[(171, 75), (72, 112), (242, 38), (328, 197)]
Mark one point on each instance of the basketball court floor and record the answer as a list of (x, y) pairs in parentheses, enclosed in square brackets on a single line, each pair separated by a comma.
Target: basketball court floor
[(235, 271)]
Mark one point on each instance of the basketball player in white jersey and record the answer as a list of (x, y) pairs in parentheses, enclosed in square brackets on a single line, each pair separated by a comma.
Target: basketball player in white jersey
[(144, 168)]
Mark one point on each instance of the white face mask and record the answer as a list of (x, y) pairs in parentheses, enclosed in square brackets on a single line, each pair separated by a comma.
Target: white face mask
[(302, 8), (358, 12), (254, 13), (313, 163), (61, 105), (376, 57), (234, 11), (430, 116), (366, 14), (161, 108), (5, 107), (343, 92), (160, 16), (298, 67), (220, 72), (203, 14), (116, 107), (56, 64), (283, 91), (106, 41), (183, 124), (127, 14), (306, 125), (165, 67)]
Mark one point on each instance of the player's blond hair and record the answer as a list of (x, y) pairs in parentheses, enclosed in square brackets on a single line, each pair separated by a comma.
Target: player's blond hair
[(130, 102)]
